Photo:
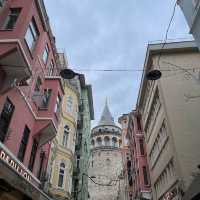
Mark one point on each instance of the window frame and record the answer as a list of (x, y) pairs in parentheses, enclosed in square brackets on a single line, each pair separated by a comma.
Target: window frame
[(6, 118), (141, 144), (66, 132), (46, 98), (33, 155), (61, 174), (58, 104), (32, 29), (23, 143), (69, 104), (145, 175), (50, 68), (45, 54), (10, 16)]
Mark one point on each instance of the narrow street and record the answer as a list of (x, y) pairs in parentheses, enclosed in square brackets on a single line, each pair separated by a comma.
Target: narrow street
[(99, 100)]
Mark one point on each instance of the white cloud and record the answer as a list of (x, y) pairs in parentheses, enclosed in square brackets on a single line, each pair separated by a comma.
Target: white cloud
[(111, 34)]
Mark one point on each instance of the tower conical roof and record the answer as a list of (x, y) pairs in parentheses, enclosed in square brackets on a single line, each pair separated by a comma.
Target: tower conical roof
[(106, 117)]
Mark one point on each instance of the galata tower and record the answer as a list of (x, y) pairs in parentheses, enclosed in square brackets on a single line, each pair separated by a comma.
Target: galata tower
[(105, 167)]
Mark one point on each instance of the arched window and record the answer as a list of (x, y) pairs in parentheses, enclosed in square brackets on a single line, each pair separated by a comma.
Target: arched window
[(69, 104), (92, 143), (99, 142), (114, 142), (107, 141), (61, 175), (65, 136)]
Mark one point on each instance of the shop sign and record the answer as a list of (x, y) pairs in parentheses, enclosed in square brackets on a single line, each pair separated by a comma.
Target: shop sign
[(12, 163)]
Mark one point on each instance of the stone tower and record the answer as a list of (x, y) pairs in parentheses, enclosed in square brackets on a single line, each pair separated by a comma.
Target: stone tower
[(105, 165)]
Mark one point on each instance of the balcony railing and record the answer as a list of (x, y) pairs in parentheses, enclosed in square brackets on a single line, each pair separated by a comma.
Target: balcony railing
[(41, 100)]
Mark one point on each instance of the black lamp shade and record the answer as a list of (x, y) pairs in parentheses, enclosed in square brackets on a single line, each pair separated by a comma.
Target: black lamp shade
[(67, 74), (153, 75)]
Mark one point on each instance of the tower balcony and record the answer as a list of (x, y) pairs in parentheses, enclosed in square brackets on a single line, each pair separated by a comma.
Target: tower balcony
[(14, 65)]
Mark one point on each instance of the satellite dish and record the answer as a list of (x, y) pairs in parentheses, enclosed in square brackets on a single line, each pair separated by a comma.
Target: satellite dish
[(67, 74), (153, 75)]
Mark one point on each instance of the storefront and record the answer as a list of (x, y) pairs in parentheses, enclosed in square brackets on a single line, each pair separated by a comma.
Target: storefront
[(16, 181)]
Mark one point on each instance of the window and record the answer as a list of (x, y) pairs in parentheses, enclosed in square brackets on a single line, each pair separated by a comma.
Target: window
[(58, 103), (139, 124), (33, 155), (69, 104), (38, 85), (141, 146), (65, 136), (23, 145), (12, 18), (99, 142), (61, 175), (92, 143), (32, 34), (42, 157), (46, 98), (114, 142), (5, 118), (50, 68), (46, 54), (107, 141), (146, 181)]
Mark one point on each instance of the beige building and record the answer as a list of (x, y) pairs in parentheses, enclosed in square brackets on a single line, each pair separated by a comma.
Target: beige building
[(170, 112), (63, 146), (106, 160)]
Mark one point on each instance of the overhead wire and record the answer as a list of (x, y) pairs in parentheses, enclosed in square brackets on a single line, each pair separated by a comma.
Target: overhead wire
[(109, 70)]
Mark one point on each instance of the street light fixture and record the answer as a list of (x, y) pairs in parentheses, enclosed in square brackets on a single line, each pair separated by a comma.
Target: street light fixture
[(68, 73), (153, 75)]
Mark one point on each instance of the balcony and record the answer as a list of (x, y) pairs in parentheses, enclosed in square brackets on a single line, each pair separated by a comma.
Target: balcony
[(14, 65)]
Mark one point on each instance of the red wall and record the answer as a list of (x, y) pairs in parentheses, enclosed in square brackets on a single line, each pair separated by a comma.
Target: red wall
[(23, 115), (138, 160)]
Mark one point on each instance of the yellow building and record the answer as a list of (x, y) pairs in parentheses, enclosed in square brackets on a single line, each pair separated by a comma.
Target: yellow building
[(63, 146)]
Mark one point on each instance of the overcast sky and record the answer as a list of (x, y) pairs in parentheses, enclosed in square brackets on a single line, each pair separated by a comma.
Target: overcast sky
[(112, 34)]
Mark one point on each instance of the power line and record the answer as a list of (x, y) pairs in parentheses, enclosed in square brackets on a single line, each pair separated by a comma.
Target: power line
[(167, 31)]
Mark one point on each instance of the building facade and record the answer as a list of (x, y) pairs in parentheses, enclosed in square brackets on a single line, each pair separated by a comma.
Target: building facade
[(137, 166), (191, 12), (126, 157), (82, 145), (30, 98), (169, 109), (106, 159), (61, 159)]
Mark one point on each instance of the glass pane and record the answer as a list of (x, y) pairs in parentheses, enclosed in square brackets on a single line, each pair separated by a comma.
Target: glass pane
[(29, 38)]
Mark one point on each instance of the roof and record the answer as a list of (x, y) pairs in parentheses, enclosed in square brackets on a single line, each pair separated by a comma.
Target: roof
[(106, 117)]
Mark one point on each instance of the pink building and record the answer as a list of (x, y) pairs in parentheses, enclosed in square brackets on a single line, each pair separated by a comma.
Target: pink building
[(138, 168), (30, 97), (126, 158)]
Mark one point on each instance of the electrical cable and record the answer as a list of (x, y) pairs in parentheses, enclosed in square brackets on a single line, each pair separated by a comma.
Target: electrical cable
[(166, 33), (110, 70)]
